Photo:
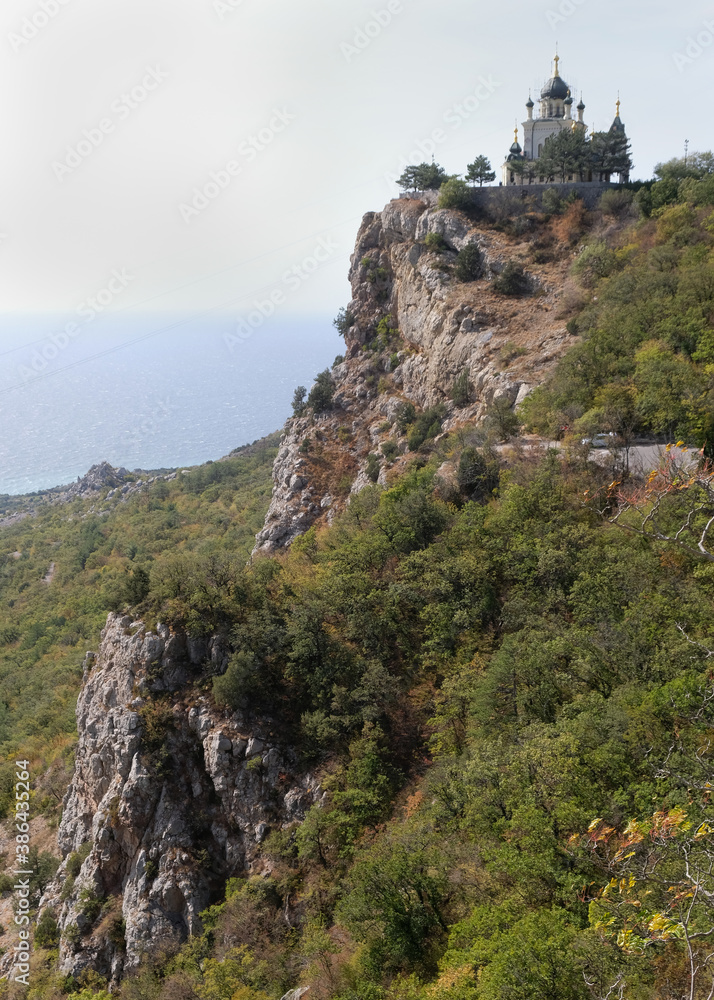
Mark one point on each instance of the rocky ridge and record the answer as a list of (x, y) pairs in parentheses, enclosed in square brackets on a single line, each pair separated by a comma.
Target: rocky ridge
[(102, 483), (170, 797), (103, 479), (398, 276)]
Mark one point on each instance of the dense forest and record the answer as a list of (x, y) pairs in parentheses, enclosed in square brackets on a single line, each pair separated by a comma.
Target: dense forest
[(503, 677)]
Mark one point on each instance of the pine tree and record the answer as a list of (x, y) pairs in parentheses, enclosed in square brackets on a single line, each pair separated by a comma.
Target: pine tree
[(480, 170)]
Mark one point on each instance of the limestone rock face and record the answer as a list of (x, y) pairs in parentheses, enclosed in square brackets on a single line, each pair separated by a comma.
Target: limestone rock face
[(170, 797), (507, 346)]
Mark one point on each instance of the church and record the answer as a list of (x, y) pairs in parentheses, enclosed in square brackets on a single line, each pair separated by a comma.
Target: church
[(594, 159)]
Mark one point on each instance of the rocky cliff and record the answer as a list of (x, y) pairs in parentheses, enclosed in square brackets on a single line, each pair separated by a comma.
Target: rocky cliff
[(403, 287), (170, 797)]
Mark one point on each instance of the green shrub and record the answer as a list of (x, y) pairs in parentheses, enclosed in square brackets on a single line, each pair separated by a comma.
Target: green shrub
[(299, 401), (157, 722), (596, 261), (321, 394), (90, 906), (512, 280), (502, 419), (72, 935), (77, 859), (460, 389), (551, 201), (509, 351), (435, 242), (426, 426), (344, 321), (405, 415), (240, 683), (390, 450), (373, 466), (137, 586), (616, 203), (478, 474), (469, 263), (117, 933), (456, 194), (47, 931), (385, 330)]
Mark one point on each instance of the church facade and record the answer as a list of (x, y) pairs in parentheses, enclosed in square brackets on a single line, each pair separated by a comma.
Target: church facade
[(556, 113)]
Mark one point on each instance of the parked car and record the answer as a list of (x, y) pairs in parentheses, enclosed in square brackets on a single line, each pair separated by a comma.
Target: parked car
[(600, 440)]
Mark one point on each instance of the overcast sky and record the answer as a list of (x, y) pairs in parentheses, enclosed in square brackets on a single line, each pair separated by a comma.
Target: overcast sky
[(114, 113)]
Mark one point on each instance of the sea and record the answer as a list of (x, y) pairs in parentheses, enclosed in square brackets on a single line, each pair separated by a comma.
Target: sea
[(162, 391)]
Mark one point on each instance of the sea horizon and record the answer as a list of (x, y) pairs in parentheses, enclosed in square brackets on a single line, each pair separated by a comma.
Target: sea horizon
[(160, 392)]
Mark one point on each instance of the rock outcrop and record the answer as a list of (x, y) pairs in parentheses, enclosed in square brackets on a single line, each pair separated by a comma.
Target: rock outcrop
[(401, 277), (170, 797)]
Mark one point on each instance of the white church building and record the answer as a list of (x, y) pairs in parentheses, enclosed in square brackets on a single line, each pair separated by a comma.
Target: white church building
[(555, 113)]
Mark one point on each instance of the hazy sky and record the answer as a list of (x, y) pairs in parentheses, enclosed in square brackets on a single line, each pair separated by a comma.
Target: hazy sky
[(115, 113)]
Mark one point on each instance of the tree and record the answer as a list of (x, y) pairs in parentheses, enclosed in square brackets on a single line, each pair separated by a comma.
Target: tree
[(460, 389), (564, 155), (512, 280), (469, 263), (323, 390), (610, 154), (478, 474), (675, 505), (502, 418), (616, 411), (522, 168), (395, 899), (137, 586), (536, 959), (480, 170), (696, 165), (373, 467), (299, 400), (660, 890), (343, 321), (422, 177)]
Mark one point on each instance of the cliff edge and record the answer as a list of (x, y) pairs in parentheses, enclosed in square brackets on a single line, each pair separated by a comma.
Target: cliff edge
[(170, 797), (412, 328)]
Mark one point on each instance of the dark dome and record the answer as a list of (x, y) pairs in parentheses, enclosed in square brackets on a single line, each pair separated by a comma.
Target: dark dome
[(556, 88)]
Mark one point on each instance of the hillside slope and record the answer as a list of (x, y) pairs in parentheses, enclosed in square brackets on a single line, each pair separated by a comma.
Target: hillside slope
[(453, 742)]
